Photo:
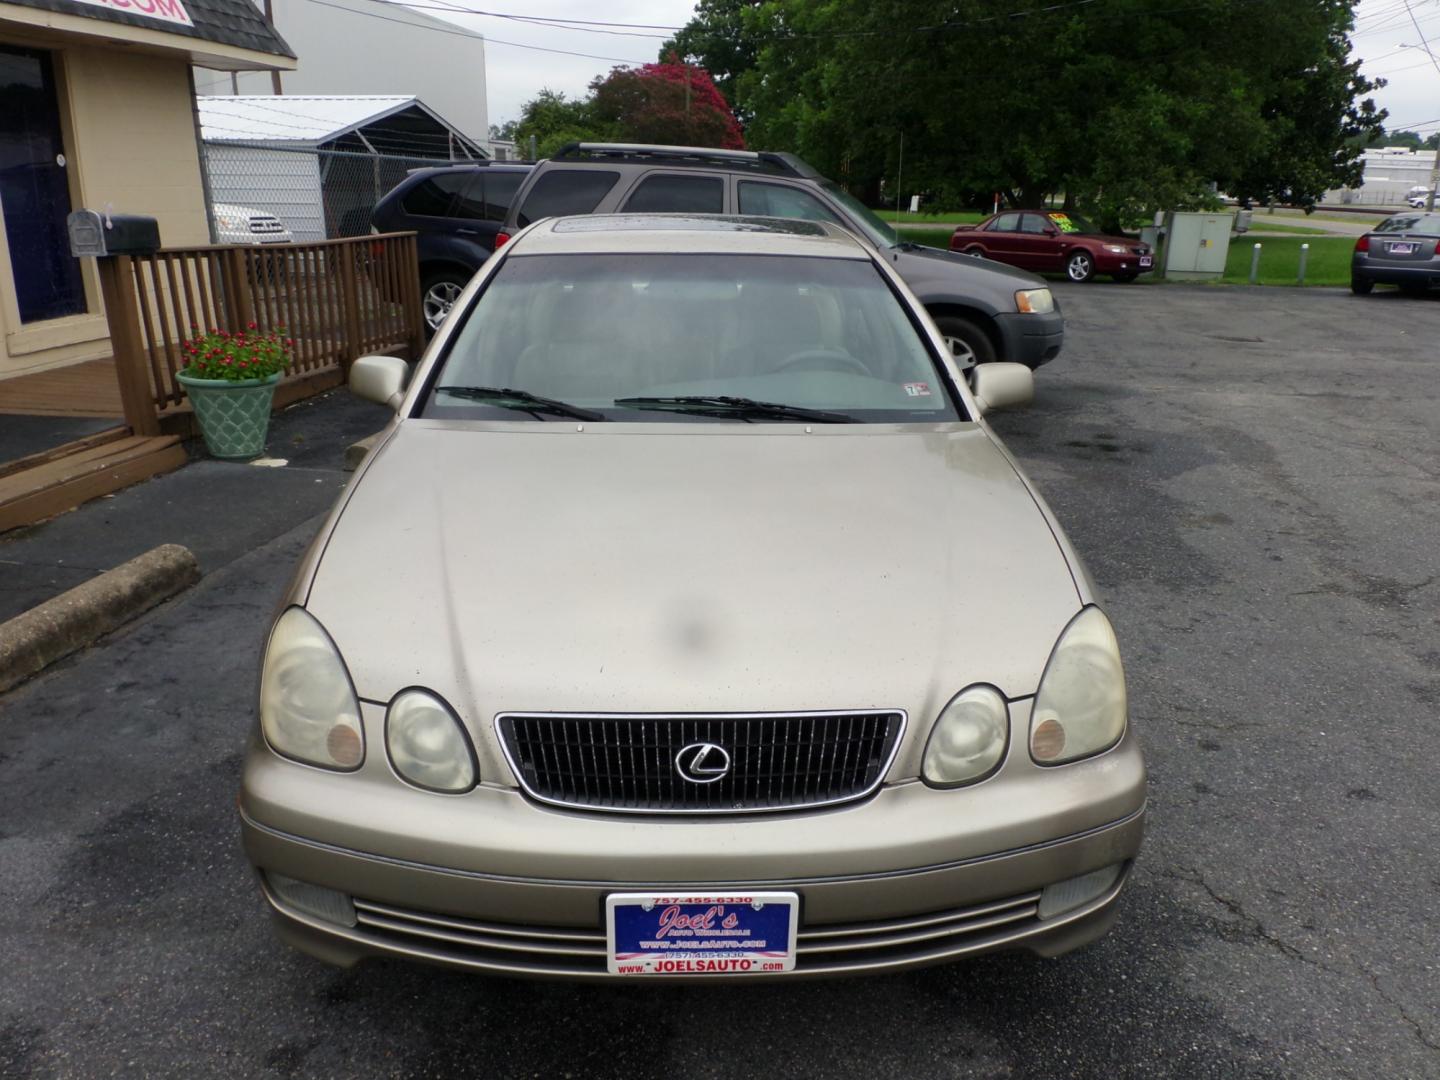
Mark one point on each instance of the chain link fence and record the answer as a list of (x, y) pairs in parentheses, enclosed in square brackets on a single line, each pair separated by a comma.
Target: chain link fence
[(314, 194)]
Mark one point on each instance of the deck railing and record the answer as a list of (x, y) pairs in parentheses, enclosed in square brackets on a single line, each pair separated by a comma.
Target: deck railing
[(336, 299)]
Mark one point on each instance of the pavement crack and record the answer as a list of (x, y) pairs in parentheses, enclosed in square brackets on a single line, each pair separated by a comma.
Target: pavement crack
[(1256, 929), (1425, 1040)]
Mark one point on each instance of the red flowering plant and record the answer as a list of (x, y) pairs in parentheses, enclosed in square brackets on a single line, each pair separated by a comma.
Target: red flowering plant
[(245, 354)]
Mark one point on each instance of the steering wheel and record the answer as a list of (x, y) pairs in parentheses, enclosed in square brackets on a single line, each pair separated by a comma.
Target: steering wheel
[(822, 360)]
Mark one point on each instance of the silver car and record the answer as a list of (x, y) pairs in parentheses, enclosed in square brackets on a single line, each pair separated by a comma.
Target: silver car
[(689, 622)]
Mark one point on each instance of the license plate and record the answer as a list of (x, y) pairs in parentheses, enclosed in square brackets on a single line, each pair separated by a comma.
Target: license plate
[(734, 933), (1402, 249), (1145, 260)]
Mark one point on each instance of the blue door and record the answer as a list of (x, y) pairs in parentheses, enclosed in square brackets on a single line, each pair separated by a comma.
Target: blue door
[(34, 191)]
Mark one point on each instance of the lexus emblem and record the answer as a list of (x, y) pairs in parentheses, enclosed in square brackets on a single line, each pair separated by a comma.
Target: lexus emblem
[(703, 763)]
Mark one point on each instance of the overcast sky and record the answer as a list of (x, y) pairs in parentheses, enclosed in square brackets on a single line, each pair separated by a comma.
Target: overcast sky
[(1384, 37)]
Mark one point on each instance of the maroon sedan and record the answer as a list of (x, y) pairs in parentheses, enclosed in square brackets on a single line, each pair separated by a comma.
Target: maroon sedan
[(1054, 242)]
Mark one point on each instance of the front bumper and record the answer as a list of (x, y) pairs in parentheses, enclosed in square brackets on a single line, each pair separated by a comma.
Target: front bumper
[(1111, 262), (493, 882), (1031, 340)]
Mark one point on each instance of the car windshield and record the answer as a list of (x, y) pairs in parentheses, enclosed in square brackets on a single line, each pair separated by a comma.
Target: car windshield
[(1421, 224), (808, 338), (1072, 223), (876, 228)]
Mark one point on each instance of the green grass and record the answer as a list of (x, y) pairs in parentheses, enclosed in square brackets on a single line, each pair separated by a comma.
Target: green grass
[(1273, 225), (964, 217), (1329, 262)]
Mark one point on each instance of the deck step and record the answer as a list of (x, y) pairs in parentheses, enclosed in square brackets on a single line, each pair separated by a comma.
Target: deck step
[(64, 481)]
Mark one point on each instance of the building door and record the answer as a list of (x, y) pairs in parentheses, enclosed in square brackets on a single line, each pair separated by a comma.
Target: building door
[(34, 188)]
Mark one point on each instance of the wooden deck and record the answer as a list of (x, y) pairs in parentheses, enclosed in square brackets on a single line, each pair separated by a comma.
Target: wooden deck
[(88, 389), (48, 484)]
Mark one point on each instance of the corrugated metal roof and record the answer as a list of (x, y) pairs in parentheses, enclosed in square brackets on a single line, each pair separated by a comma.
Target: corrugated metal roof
[(292, 118), (227, 22)]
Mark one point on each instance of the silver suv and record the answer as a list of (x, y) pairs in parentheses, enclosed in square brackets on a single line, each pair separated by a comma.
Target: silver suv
[(689, 622), (985, 310)]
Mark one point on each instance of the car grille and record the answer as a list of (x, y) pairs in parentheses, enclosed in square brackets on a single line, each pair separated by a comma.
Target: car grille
[(266, 225), (628, 764), (579, 951), (1140, 251)]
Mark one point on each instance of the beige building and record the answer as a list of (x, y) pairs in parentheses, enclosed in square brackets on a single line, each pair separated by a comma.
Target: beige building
[(97, 110)]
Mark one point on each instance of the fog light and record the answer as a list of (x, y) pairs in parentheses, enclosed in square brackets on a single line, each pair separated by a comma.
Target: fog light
[(328, 904), (1070, 894)]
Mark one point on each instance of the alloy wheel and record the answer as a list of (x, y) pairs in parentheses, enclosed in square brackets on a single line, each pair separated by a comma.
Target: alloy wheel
[(439, 299)]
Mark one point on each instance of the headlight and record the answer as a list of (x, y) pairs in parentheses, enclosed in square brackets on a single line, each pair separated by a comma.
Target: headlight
[(230, 221), (1034, 301), (308, 709), (426, 743), (1118, 249), (968, 740), (1080, 706)]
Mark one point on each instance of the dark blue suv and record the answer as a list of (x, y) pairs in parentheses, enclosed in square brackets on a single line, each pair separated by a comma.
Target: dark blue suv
[(456, 210)]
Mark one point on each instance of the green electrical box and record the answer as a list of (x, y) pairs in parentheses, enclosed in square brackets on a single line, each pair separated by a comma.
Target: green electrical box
[(1197, 245)]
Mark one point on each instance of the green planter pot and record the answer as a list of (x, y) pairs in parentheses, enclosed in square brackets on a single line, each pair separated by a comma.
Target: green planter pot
[(233, 416)]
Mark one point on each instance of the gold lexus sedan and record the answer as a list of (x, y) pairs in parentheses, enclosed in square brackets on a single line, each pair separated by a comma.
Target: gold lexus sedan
[(689, 622)]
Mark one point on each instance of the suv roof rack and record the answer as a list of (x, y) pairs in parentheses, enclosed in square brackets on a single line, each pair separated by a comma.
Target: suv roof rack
[(646, 153)]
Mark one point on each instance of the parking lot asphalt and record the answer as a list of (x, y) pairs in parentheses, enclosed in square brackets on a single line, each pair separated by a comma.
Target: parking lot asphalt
[(1252, 477)]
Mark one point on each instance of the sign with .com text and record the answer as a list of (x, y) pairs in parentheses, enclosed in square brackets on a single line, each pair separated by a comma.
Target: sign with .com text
[(171, 11), (699, 934)]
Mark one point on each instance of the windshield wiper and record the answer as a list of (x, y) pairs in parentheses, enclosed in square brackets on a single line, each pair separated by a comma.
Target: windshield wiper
[(742, 408), (505, 398)]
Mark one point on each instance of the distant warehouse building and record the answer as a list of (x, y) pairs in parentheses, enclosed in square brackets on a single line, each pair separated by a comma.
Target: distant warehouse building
[(376, 48), (1391, 174)]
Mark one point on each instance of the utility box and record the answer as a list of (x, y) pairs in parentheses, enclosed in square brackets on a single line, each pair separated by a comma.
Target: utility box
[(1197, 245)]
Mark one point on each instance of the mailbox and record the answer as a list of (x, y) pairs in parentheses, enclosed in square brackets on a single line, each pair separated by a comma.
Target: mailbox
[(94, 233)]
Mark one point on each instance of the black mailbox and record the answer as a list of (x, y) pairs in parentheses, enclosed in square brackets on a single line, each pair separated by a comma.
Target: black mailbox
[(94, 233)]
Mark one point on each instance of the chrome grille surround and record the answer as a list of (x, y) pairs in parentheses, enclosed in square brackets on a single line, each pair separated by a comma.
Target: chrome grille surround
[(580, 951), (846, 756)]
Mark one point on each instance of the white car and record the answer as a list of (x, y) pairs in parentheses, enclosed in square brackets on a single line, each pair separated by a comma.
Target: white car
[(242, 225), (1417, 201)]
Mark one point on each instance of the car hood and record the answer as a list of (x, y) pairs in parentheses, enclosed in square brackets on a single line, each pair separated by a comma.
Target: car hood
[(691, 567), (929, 260), (1105, 238)]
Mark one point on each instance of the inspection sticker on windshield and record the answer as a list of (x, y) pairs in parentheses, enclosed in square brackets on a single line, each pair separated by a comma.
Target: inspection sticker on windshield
[(700, 933), (917, 389)]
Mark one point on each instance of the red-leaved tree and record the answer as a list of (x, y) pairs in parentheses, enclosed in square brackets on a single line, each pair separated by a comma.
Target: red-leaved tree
[(671, 103)]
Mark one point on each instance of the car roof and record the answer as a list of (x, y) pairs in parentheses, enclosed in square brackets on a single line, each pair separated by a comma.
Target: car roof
[(687, 233), (657, 154), (466, 166)]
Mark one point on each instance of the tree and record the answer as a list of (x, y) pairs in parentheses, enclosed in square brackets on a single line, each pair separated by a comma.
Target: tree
[(1124, 107), (504, 132), (717, 39), (655, 103), (1413, 139), (674, 103), (554, 121)]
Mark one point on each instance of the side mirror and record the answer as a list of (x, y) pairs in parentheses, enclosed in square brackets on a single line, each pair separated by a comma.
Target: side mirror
[(1051, 230), (1001, 386), (381, 379)]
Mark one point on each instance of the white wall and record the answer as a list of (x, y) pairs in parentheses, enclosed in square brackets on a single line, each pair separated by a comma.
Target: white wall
[(279, 182), (1389, 176), (377, 48)]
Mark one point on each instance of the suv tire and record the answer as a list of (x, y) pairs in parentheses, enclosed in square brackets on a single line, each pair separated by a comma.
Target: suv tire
[(439, 289), (969, 344)]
